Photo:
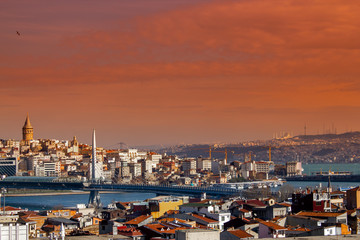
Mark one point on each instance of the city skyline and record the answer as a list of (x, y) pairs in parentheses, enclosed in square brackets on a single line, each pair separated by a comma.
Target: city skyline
[(179, 72)]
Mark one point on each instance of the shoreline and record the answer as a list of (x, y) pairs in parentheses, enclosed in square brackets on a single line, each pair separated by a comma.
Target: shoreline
[(51, 193)]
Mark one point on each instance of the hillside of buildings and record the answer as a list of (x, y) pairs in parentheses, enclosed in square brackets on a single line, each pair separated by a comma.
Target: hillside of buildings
[(324, 148)]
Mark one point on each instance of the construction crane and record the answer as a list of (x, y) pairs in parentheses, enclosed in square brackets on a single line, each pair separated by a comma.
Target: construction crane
[(269, 153), (210, 150), (250, 154), (226, 155)]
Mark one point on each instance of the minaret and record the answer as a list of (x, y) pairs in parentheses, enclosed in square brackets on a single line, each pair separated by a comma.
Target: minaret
[(27, 131), (62, 232)]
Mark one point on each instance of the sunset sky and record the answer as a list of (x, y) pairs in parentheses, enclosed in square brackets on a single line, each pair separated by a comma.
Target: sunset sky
[(182, 71)]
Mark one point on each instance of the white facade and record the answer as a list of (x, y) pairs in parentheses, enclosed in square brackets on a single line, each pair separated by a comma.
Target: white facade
[(146, 166), (135, 169), (222, 217), (14, 232), (155, 158)]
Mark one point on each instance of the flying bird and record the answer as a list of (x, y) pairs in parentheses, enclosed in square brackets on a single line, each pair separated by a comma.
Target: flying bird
[(17, 33)]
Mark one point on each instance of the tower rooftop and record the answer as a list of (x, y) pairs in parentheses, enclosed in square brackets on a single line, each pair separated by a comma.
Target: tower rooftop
[(27, 122)]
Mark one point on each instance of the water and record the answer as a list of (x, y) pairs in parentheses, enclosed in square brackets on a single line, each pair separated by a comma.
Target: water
[(49, 202), (66, 200), (324, 167), (334, 167), (334, 185)]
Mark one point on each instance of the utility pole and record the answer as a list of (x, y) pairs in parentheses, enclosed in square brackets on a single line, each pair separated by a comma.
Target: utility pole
[(3, 191)]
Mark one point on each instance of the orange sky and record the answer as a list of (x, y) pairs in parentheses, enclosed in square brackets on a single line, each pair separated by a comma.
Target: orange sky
[(164, 72)]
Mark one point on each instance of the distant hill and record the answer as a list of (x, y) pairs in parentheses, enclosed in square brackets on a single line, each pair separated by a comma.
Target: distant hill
[(324, 148), (347, 135)]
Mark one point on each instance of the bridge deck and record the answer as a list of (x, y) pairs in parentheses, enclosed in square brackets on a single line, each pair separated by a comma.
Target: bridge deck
[(58, 185)]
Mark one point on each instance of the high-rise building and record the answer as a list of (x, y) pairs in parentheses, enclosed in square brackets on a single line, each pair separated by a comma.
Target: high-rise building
[(27, 131)]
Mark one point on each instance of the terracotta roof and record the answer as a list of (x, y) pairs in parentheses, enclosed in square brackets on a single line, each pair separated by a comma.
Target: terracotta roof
[(285, 204), (319, 214), (255, 203), (130, 232), (209, 220), (9, 208), (337, 192), (244, 210), (240, 233), (173, 212), (300, 229), (355, 189), (349, 212), (161, 228), (240, 202), (273, 225), (137, 220), (172, 220)]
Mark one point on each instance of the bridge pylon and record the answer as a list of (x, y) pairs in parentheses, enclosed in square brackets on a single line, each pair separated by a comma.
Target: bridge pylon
[(94, 199)]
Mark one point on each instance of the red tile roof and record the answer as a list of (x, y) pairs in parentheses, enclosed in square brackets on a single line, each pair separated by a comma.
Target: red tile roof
[(273, 225), (161, 229), (240, 233), (130, 232), (320, 214), (285, 204), (137, 220), (206, 219)]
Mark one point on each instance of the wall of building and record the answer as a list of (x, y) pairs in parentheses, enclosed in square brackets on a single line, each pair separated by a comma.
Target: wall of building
[(197, 234), (14, 231)]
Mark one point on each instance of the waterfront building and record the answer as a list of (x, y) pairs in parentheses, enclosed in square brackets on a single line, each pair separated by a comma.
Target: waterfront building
[(262, 169), (47, 169), (9, 166), (293, 168)]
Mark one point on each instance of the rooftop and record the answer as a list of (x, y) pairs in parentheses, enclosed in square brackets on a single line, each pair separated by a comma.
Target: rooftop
[(320, 214), (240, 233)]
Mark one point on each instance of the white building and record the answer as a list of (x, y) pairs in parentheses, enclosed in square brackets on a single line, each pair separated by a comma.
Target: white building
[(14, 232), (155, 158), (135, 169)]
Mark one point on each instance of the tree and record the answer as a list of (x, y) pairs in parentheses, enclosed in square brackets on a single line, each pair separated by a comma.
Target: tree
[(285, 192)]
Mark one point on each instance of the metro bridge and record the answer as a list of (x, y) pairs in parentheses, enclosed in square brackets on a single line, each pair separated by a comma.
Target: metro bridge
[(54, 183)]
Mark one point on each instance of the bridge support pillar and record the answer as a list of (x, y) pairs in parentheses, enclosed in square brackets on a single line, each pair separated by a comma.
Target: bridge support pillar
[(94, 199)]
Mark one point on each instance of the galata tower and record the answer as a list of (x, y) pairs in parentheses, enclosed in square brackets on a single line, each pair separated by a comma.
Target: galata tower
[(28, 131)]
